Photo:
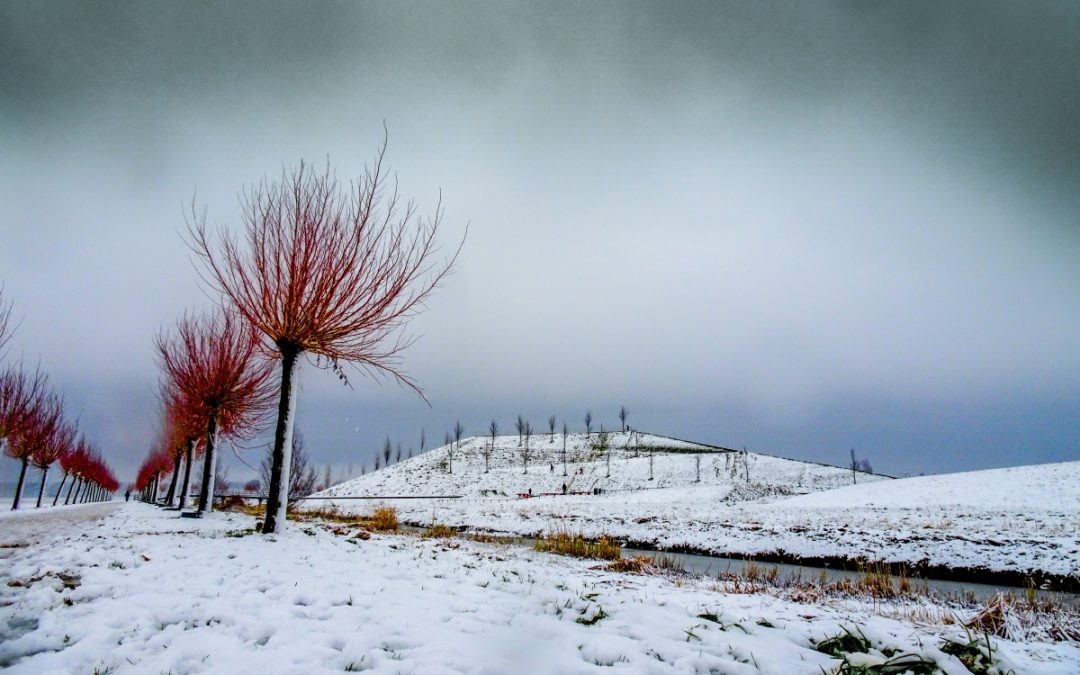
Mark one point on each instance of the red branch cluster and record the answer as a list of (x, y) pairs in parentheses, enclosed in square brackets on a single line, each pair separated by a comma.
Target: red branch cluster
[(213, 366), (329, 270)]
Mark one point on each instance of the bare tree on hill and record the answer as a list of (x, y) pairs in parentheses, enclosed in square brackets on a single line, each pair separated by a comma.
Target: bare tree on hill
[(564, 432), (520, 426), (551, 427), (588, 422), (526, 430), (623, 414), (494, 429)]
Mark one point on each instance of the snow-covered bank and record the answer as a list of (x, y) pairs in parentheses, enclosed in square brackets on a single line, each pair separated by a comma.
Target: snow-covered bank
[(1018, 521), (139, 590)]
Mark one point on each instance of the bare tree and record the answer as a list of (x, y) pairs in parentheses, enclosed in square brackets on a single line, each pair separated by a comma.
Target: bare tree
[(397, 456), (564, 432), (21, 393), (387, 449), (328, 476), (588, 422), (35, 434), (448, 440), (854, 467), (328, 270), (623, 414), (214, 364), (62, 441), (551, 427), (526, 430), (423, 441), (378, 463), (458, 431), (697, 468), (494, 429), (301, 479), (520, 426), (652, 455)]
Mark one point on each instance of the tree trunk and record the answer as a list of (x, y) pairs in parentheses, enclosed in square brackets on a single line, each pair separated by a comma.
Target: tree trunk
[(60, 489), (278, 497), (206, 494), (170, 497), (75, 499), (22, 479), (187, 473), (41, 490), (67, 497)]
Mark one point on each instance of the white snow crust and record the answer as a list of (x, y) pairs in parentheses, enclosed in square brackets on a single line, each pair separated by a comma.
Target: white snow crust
[(153, 593)]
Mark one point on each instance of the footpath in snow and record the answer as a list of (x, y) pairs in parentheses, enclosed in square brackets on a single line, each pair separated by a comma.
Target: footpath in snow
[(131, 588)]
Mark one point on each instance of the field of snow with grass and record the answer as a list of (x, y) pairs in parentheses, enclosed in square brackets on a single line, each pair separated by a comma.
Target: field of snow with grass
[(130, 588), (1022, 520)]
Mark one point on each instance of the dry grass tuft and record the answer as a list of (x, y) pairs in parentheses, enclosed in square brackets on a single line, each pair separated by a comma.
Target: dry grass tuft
[(578, 546), (439, 531), (639, 564), (383, 519)]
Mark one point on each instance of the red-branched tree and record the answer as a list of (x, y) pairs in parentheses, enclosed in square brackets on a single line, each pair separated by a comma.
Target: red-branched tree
[(35, 434), (328, 270), (59, 443), (20, 394), (215, 365), (183, 428), (66, 460)]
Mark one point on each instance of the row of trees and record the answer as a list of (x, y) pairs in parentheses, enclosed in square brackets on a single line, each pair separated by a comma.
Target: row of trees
[(36, 432)]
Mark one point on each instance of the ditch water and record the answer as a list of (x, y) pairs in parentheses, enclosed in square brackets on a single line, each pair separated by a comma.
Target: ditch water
[(712, 566), (718, 566)]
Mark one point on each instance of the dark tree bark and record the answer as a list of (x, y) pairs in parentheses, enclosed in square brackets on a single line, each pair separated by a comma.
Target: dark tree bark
[(278, 498)]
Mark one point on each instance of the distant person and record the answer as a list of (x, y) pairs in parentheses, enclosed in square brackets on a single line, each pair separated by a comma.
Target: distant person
[(530, 492), (564, 488), (127, 496)]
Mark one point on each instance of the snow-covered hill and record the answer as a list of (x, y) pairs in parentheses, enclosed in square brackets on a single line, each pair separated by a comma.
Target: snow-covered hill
[(635, 461)]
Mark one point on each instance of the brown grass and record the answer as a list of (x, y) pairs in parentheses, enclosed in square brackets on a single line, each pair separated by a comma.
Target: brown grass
[(639, 564), (439, 531), (383, 519), (578, 546)]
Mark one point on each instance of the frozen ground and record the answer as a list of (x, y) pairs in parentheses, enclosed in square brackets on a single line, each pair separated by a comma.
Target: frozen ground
[(128, 588), (1023, 519)]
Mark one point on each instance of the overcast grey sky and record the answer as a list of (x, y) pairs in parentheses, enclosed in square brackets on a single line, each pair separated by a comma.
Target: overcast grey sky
[(795, 227)]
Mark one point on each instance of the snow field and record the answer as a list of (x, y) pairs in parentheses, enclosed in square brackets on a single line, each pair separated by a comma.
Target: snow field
[(1022, 519), (159, 594)]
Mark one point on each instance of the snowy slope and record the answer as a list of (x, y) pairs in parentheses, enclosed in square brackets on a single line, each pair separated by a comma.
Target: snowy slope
[(673, 465), (1019, 520)]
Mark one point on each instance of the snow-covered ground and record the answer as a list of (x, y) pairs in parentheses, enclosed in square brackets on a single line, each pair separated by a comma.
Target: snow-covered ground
[(1023, 519), (129, 588)]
